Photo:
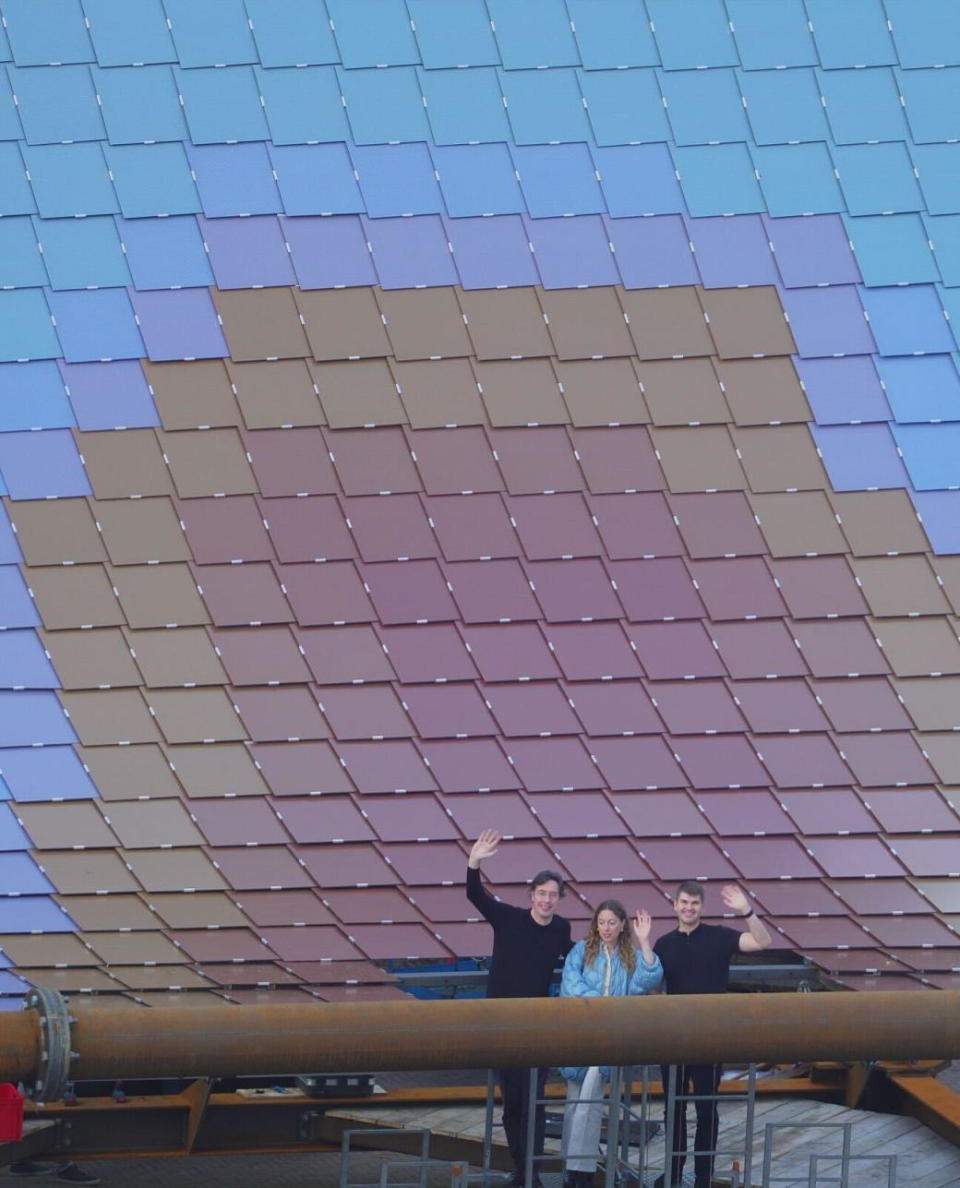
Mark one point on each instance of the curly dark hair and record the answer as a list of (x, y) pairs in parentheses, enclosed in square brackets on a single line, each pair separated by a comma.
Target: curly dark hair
[(625, 947)]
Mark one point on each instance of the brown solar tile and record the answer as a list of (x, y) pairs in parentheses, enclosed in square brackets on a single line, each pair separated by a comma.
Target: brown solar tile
[(222, 770), (124, 462), (779, 706), (158, 595), (748, 322), (675, 650), (739, 588), (280, 394), (179, 909), (70, 981), (299, 944), (613, 707), (918, 647), (222, 944), (676, 859), (225, 529), (472, 815), (308, 528), (586, 323), (78, 596), (195, 715), (824, 932), (577, 815), (141, 531), (547, 764), (718, 524), (741, 812), (840, 960), (903, 585), (661, 814), (388, 766), (390, 529), (116, 911), (492, 591), (344, 655), (291, 462), (428, 652), (110, 716), (260, 656), (296, 769), (208, 462), (868, 703), (323, 819), (520, 393), (466, 940), (818, 587), (943, 751), (658, 588), (373, 461), (505, 323), (408, 818), (448, 711), (353, 866), (257, 867), (698, 459), (326, 593), (184, 656), (780, 458), (901, 932), (469, 765), (900, 810), (769, 857), (244, 973), (236, 822), (805, 897), (840, 855), (617, 460), (86, 872), (144, 824), (725, 761), (803, 761), (55, 531), (372, 905), (130, 773), (666, 323), (47, 949), (261, 324), (877, 523), (281, 907), (625, 762), (92, 659), (763, 391), (285, 713), (455, 462), (798, 524), (140, 948), (409, 592), (696, 707), (602, 392), (153, 978), (828, 810), (636, 525), (191, 395), (472, 527), (342, 323), (947, 570), (68, 825), (930, 703), (513, 864), (551, 526), (358, 395), (605, 859), (439, 393), (243, 595), (424, 323), (683, 392)]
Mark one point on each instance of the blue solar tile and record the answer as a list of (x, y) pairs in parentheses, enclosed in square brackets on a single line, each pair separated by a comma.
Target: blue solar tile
[(21, 264), (329, 252), (165, 253), (558, 180), (938, 166), (10, 127), (247, 252), (624, 106), (42, 773), (18, 870), (931, 454), (23, 662), (453, 34), (544, 106), (16, 197), (863, 105), (235, 179), (5, 53), (16, 605), (771, 35), (32, 397), (70, 179), (373, 32), (126, 34), (877, 179), (704, 106), (464, 106), (179, 324), (535, 33), (572, 252), (26, 331), (295, 33), (109, 395), (932, 99), (925, 34), (384, 106), (140, 104), (783, 106), (944, 233), (693, 34), (860, 457), (12, 836), (9, 549), (477, 179), (32, 913), (907, 320), (492, 253), (410, 252), (41, 34), (892, 249), (950, 300), (211, 34), (32, 717), (396, 179), (718, 179), (732, 251), (827, 321), (303, 106), (82, 253), (316, 179), (940, 513), (612, 35), (843, 391), (652, 253), (638, 180), (851, 34), (56, 104), (798, 179), (222, 106), (152, 179), (812, 251), (96, 325), (921, 389)]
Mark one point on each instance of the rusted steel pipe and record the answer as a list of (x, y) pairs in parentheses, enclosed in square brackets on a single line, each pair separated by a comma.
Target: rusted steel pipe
[(353, 1037)]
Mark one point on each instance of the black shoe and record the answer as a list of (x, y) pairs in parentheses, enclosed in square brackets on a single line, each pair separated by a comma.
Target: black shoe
[(69, 1173), (31, 1167)]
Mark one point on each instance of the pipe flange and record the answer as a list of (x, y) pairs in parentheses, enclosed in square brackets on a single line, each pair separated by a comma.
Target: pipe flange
[(53, 1068)]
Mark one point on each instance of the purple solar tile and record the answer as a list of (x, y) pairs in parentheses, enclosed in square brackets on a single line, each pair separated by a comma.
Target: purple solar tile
[(329, 252), (393, 528), (879, 760), (408, 818), (346, 866), (658, 589), (784, 897), (813, 250), (614, 707), (370, 906), (822, 933), (514, 864), (109, 395), (455, 461), (780, 707), (327, 593), (744, 812), (696, 707), (470, 765), (818, 587), (661, 814), (828, 321), (299, 769), (572, 252), (927, 857), (179, 324), (634, 526), (631, 763), (536, 461), (472, 527), (803, 761), (551, 526), (727, 761), (344, 655), (740, 588), (840, 647), (472, 815), (620, 459), (412, 252), (592, 651), (603, 860), (675, 650), (652, 252), (928, 933), (552, 764), (334, 819), (428, 652), (510, 651), (841, 391), (757, 649), (368, 711), (578, 590), (260, 655), (676, 859), (717, 524), (732, 251), (283, 713), (492, 253), (868, 703), (899, 810), (247, 253), (373, 461), (388, 766), (259, 867), (290, 462), (828, 810), (840, 856), (409, 592), (224, 530), (448, 711), (896, 897), (491, 591), (531, 708), (769, 857)]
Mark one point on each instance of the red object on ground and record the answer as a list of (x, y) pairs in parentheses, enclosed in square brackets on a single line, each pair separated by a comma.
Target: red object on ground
[(11, 1113)]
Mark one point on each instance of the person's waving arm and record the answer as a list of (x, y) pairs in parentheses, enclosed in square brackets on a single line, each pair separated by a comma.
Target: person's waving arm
[(757, 936)]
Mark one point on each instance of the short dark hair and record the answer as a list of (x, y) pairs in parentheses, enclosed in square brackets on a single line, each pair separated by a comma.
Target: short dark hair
[(692, 888), (547, 876)]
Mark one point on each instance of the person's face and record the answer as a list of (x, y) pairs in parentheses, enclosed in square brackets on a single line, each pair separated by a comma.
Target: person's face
[(609, 925), (688, 909), (544, 900)]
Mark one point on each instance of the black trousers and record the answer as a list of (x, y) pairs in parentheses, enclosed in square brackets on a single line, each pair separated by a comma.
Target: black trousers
[(700, 1080), (515, 1096)]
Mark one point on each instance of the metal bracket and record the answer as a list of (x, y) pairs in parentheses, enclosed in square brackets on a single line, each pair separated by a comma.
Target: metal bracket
[(53, 1070)]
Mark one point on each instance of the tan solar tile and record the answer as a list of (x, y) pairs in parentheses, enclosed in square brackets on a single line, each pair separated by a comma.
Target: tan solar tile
[(74, 596), (900, 585), (918, 647), (276, 395), (698, 459), (683, 392), (763, 391), (208, 462), (261, 324), (129, 948), (424, 323), (521, 393), (780, 458), (439, 393), (192, 395), (137, 772), (158, 595), (70, 825), (47, 949), (943, 753), (801, 524), (141, 531), (124, 462), (225, 769), (180, 656), (586, 323), (144, 824), (101, 912), (176, 978), (947, 569), (77, 980), (666, 323), (178, 909), (358, 395), (110, 716), (195, 715), (343, 323), (747, 323), (85, 872), (54, 531), (96, 659), (602, 392), (879, 522), (932, 702), (506, 323), (174, 870)]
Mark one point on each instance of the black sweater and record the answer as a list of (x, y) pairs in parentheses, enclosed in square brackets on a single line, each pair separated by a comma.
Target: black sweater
[(525, 953)]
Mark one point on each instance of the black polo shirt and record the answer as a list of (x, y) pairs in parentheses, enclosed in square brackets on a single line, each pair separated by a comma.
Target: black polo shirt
[(697, 962)]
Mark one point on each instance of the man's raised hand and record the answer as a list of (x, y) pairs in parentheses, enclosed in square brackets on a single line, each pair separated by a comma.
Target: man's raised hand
[(735, 899), (484, 847)]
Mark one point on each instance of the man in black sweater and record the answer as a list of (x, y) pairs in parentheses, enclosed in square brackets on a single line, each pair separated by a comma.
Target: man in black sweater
[(696, 960), (528, 944)]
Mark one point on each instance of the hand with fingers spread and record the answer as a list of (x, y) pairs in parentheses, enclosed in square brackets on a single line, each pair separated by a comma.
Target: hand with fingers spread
[(484, 847), (642, 923), (734, 898)]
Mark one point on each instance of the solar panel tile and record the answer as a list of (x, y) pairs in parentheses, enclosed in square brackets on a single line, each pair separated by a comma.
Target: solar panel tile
[(217, 37), (56, 104), (625, 108), (221, 106), (492, 591), (698, 38), (559, 244), (492, 252), (551, 526), (929, 703), (91, 659), (831, 811), (698, 459), (718, 179), (696, 707), (255, 867), (683, 392), (732, 251), (686, 858), (329, 251), (16, 195), (544, 106), (538, 34), (591, 651), (469, 765), (636, 525), (297, 34), (519, 394), (453, 35), (473, 527), (22, 265), (856, 35), (184, 657), (703, 106), (157, 596), (397, 244), (771, 36), (44, 404)]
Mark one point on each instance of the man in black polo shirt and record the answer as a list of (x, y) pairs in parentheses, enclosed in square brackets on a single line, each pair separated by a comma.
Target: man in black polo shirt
[(528, 944), (696, 960)]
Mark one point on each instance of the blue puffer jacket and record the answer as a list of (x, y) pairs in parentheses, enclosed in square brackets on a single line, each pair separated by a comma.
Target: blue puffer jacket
[(586, 981)]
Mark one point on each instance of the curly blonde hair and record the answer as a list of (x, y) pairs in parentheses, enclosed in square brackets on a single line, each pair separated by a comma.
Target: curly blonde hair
[(625, 949)]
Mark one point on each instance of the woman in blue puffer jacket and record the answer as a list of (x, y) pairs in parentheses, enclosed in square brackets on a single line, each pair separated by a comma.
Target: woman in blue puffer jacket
[(607, 961)]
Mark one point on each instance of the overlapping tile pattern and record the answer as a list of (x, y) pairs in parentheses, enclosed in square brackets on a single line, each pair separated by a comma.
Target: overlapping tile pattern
[(416, 417)]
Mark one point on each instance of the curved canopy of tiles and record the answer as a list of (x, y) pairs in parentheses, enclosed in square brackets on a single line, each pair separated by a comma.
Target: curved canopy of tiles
[(417, 417)]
